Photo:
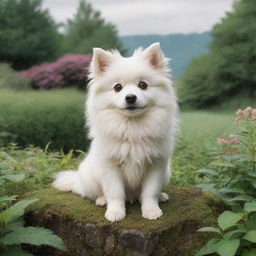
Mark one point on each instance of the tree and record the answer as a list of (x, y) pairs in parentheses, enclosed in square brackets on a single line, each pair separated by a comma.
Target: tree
[(88, 29), (230, 67), (28, 35)]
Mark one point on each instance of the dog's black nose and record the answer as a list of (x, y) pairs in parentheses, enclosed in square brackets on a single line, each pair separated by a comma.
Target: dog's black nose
[(131, 98)]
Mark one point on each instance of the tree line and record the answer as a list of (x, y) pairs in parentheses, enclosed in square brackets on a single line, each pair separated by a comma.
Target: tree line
[(29, 35), (230, 66)]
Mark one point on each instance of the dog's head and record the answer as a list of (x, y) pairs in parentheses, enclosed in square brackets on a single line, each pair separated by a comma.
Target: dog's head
[(129, 85)]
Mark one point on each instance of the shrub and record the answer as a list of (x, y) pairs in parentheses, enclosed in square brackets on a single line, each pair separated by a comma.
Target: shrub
[(9, 79), (231, 177), (68, 70), (41, 117), (12, 231)]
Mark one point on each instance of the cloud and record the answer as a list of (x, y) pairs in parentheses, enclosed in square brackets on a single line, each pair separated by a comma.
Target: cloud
[(150, 16)]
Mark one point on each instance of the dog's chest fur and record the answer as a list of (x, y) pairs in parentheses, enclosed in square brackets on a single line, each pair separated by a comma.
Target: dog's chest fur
[(134, 158)]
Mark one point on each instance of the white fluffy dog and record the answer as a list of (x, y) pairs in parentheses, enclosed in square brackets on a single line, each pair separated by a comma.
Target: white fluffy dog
[(132, 118)]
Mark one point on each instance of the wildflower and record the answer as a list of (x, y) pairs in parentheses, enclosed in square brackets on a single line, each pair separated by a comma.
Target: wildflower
[(229, 140), (247, 111), (222, 141), (239, 112), (254, 114)]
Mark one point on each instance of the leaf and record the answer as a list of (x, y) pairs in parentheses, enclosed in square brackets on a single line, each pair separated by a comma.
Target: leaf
[(251, 221), (231, 190), (250, 236), (223, 164), (228, 247), (6, 199), (207, 172), (209, 229), (250, 207), (228, 219), (15, 211), (206, 187), (209, 248), (15, 224), (241, 198), (15, 252), (34, 236), (253, 182), (234, 234), (250, 252), (232, 157), (251, 173), (14, 177)]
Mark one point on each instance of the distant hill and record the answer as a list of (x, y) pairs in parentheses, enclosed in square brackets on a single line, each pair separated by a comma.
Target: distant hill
[(180, 48)]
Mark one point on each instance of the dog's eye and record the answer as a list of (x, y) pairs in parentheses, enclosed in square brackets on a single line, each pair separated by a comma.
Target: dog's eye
[(118, 87), (143, 85)]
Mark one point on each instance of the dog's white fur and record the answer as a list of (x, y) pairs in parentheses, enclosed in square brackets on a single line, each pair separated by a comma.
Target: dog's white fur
[(130, 152)]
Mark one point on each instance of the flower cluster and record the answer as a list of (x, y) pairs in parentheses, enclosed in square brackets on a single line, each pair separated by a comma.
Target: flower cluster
[(247, 113), (229, 140), (67, 70)]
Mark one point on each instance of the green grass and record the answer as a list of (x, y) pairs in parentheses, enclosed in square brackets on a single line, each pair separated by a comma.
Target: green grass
[(196, 143)]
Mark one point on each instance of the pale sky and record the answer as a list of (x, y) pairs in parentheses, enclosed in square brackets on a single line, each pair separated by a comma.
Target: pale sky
[(150, 17)]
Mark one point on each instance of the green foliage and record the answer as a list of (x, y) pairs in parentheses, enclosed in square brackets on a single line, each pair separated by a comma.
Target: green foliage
[(37, 118), (230, 66), (28, 35), (38, 166), (88, 29), (232, 178), (196, 143), (10, 80), (12, 231)]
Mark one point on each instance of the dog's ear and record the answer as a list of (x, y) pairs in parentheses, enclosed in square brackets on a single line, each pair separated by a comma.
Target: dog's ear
[(100, 61), (155, 56)]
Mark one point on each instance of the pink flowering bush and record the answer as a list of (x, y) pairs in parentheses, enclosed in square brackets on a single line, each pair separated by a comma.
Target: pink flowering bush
[(231, 177), (68, 70)]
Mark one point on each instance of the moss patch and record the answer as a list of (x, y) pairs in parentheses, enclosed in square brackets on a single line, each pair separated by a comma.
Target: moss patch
[(184, 205), (187, 210)]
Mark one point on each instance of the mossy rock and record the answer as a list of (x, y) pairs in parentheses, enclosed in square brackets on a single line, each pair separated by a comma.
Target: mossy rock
[(85, 231)]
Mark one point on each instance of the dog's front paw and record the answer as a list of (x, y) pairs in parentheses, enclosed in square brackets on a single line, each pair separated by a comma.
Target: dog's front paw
[(115, 214), (152, 213), (101, 201)]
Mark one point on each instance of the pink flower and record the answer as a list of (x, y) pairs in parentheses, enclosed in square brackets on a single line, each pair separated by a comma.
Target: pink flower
[(222, 141), (248, 111), (234, 141), (254, 114), (239, 112), (229, 140)]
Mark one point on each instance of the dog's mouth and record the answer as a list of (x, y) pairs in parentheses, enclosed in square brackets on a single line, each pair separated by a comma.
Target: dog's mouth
[(134, 107), (131, 108)]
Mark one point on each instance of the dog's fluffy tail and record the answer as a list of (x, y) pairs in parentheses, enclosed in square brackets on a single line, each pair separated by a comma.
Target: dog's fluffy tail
[(66, 180)]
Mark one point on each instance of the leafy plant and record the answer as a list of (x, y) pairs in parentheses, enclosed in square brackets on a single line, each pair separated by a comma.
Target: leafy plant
[(232, 178), (13, 233)]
